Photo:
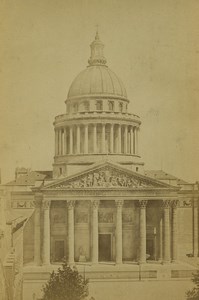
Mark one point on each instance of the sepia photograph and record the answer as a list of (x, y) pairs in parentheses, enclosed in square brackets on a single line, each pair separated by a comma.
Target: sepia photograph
[(99, 150)]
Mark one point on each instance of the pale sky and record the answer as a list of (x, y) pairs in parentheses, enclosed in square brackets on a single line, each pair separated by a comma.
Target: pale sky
[(152, 45)]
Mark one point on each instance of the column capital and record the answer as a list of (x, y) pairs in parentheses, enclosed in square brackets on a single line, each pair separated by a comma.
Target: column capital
[(95, 203), (142, 203), (71, 204), (46, 204), (166, 203), (119, 203), (175, 203), (37, 202)]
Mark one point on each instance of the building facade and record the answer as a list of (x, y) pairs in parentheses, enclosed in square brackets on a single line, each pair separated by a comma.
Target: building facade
[(99, 205)]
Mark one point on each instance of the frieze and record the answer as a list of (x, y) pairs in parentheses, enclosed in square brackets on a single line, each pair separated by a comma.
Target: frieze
[(105, 217), (106, 178), (58, 218), (127, 217), (81, 217), (186, 203), (22, 204)]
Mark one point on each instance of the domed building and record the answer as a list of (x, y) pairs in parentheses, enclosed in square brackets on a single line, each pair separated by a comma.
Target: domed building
[(99, 208), (97, 125)]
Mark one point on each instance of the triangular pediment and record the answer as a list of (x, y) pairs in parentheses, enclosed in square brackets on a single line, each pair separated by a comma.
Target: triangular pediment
[(106, 176)]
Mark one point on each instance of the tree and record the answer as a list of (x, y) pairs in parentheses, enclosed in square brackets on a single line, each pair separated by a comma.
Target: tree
[(65, 284), (194, 293)]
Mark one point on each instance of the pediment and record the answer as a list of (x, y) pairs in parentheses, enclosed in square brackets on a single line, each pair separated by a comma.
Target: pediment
[(106, 176)]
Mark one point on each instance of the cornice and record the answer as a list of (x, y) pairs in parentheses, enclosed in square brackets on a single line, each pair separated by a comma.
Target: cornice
[(99, 119)]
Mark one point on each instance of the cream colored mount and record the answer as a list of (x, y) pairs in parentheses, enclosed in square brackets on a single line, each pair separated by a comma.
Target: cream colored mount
[(97, 125)]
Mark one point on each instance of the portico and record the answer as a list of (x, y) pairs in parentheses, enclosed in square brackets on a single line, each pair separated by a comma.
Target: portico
[(101, 225)]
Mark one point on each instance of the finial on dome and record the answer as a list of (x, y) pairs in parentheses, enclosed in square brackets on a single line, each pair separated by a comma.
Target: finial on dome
[(97, 55), (97, 33)]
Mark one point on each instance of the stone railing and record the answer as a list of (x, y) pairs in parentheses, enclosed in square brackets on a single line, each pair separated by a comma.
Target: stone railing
[(94, 114)]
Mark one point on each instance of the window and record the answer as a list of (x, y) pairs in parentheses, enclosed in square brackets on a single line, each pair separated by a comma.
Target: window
[(121, 107), (86, 106), (111, 105), (75, 107), (60, 171), (99, 105), (137, 169)]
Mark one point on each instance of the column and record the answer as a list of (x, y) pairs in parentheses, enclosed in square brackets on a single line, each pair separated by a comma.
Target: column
[(166, 231), (78, 139), (103, 138), (86, 138), (174, 230), (60, 142), (131, 139), (142, 256), (160, 239), (125, 139), (46, 232), (95, 206), (119, 149), (119, 204), (195, 227), (71, 140), (65, 141), (71, 233), (111, 139), (56, 142), (95, 138), (37, 228), (136, 141)]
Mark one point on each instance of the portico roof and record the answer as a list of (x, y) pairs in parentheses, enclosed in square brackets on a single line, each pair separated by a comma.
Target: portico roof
[(107, 176)]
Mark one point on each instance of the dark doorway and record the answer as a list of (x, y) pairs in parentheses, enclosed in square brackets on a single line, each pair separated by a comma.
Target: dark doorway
[(59, 250), (104, 247), (150, 249)]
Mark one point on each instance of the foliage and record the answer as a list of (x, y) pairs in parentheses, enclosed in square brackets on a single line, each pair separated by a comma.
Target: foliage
[(194, 293), (65, 284)]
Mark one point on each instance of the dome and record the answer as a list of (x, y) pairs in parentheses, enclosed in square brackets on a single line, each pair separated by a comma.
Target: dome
[(97, 80)]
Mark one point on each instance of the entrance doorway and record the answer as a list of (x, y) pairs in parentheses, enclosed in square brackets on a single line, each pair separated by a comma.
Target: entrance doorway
[(59, 250), (104, 247), (150, 249)]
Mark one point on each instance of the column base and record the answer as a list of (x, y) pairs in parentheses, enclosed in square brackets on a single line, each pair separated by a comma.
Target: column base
[(95, 260), (174, 261), (119, 262), (140, 262), (166, 262), (46, 264), (94, 263)]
